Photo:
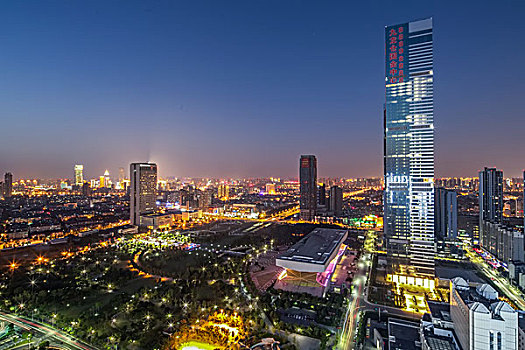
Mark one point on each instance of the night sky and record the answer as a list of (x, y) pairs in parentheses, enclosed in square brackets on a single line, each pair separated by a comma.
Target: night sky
[(242, 88)]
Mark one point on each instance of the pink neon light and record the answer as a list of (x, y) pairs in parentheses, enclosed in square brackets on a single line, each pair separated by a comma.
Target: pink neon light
[(324, 277)]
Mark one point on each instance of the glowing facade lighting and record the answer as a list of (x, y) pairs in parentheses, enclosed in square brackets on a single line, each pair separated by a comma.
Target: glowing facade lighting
[(79, 174), (409, 148)]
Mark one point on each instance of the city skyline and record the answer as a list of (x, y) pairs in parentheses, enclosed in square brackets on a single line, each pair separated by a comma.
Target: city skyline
[(115, 174), (191, 176), (87, 89)]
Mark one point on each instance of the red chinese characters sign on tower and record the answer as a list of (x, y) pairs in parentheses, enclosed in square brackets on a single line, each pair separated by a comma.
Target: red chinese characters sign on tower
[(396, 54)]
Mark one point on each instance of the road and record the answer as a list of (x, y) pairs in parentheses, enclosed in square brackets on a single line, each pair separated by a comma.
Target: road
[(501, 283), (53, 335), (359, 299)]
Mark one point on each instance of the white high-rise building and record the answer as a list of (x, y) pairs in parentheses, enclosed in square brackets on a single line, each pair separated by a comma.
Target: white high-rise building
[(107, 179), (79, 174), (143, 190)]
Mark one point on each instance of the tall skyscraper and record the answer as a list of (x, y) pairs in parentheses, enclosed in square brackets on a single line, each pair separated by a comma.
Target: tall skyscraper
[(336, 200), (143, 191), (79, 174), (446, 213), (204, 198), (121, 176), (107, 179), (409, 152), (308, 187), (490, 200), (321, 195), (223, 192), (86, 190), (8, 185), (491, 195)]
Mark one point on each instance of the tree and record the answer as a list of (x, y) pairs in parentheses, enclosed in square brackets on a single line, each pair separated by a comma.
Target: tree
[(43, 345)]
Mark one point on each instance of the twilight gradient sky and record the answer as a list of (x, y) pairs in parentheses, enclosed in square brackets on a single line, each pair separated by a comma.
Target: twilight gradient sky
[(242, 88)]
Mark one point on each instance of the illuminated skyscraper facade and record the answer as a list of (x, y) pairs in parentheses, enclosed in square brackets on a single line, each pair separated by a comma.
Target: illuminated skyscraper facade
[(223, 192), (79, 174), (107, 180), (409, 152), (143, 190), (308, 187)]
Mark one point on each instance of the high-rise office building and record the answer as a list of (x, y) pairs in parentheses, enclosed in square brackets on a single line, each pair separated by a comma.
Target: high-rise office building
[(409, 153), (308, 187), (490, 199), (79, 174), (336, 200), (446, 213), (107, 179), (223, 192), (8, 185), (270, 189), (86, 189), (491, 195), (143, 190), (121, 176), (189, 197), (321, 195), (205, 198)]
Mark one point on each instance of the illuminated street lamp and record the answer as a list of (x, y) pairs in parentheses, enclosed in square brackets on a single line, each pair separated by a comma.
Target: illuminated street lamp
[(13, 266)]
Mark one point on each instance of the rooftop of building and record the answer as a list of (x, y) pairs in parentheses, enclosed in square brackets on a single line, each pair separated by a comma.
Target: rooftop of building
[(403, 335), (506, 226), (481, 298), (440, 311), (518, 265), (316, 247), (155, 215), (436, 342), (439, 341)]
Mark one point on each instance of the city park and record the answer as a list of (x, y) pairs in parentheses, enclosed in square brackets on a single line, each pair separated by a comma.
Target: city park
[(168, 290)]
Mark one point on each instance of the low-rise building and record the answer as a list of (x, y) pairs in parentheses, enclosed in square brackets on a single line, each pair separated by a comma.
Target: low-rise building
[(314, 252), (310, 263), (186, 215), (156, 221)]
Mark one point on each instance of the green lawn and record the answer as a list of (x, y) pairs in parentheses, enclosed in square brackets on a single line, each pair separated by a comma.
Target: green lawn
[(175, 262)]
